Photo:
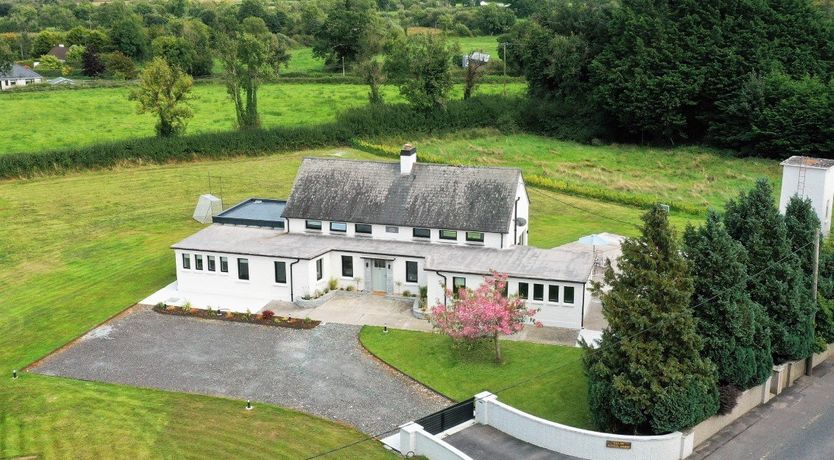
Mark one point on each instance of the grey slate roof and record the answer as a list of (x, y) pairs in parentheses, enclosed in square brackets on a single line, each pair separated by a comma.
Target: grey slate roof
[(808, 162), (558, 264), (19, 71), (432, 196)]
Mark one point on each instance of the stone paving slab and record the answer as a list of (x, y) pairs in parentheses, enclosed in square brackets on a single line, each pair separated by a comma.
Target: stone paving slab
[(323, 371)]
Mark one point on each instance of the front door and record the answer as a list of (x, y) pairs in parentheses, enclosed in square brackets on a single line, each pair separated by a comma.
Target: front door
[(379, 275)]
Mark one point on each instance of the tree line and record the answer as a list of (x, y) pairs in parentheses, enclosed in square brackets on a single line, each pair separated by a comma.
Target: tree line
[(745, 74), (693, 322)]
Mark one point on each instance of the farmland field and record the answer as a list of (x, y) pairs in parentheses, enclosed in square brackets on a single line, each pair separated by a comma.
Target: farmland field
[(698, 176), (62, 119), (76, 249)]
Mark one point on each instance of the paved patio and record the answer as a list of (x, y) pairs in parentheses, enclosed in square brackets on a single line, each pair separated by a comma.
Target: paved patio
[(365, 309), (322, 371)]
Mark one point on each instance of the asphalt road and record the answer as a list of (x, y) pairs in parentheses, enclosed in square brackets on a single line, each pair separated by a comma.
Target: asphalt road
[(798, 424)]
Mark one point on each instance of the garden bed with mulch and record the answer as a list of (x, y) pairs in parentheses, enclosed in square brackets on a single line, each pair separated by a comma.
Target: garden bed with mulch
[(266, 317)]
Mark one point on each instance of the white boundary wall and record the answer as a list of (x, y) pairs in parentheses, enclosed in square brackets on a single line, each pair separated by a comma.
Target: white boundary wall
[(575, 441), (413, 438)]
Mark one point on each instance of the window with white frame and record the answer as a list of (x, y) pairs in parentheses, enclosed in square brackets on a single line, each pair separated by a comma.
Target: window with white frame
[(243, 269), (347, 266), (458, 283), (198, 262), (224, 264), (421, 233), (392, 229), (280, 272), (312, 224), (319, 269), (448, 235), (338, 227), (365, 229), (475, 237), (553, 293), (186, 261), (210, 262), (569, 295), (411, 275), (523, 290), (538, 292)]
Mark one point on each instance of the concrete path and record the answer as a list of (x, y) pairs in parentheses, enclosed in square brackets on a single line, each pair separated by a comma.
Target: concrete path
[(322, 371), (486, 442), (795, 425)]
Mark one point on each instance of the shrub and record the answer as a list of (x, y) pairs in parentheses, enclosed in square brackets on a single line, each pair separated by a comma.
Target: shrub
[(406, 293), (727, 398), (349, 287), (424, 292), (160, 305), (267, 315), (332, 284)]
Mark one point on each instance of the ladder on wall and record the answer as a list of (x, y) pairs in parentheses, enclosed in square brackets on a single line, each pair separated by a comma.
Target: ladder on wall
[(800, 185)]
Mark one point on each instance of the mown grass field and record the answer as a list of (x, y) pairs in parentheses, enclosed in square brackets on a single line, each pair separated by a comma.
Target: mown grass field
[(61, 119), (694, 175), (554, 386)]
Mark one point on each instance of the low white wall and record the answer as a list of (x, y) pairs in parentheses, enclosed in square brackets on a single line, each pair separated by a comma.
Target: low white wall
[(575, 441), (415, 440), (746, 402)]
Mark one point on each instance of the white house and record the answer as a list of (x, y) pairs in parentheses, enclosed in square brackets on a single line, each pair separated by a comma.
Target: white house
[(18, 76), (385, 227), (812, 178)]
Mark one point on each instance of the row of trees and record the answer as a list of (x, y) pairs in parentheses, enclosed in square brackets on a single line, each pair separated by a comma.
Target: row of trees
[(753, 76), (692, 325)]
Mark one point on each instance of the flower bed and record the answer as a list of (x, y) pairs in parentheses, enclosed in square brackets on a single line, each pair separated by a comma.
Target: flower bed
[(266, 318)]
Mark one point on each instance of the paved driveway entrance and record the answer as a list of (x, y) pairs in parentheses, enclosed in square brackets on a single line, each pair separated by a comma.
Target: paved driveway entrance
[(323, 371)]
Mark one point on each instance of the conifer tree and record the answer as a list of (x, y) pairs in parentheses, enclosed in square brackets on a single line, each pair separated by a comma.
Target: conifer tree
[(775, 279), (733, 327), (648, 376), (802, 224)]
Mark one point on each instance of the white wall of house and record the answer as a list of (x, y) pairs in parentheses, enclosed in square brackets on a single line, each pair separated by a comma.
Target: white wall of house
[(552, 312), (395, 233), (818, 186), (261, 283), (14, 82)]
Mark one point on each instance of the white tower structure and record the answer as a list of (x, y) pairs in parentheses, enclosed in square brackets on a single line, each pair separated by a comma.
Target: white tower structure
[(812, 178)]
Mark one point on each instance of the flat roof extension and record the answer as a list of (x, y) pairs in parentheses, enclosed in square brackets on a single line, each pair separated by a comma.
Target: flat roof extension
[(254, 212)]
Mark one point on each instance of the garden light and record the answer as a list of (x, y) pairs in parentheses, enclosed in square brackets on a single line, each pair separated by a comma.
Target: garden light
[(385, 329), (14, 374), (249, 405)]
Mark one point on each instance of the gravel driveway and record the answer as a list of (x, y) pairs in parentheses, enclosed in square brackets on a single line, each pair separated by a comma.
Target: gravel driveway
[(322, 371)]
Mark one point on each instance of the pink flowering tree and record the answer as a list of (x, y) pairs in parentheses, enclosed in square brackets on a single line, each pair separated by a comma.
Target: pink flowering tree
[(482, 314)]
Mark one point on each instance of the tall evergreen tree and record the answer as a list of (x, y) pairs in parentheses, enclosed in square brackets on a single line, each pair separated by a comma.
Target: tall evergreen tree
[(734, 328), (775, 278), (648, 376), (802, 224)]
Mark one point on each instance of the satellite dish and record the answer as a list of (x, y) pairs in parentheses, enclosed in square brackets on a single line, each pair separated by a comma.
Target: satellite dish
[(521, 221)]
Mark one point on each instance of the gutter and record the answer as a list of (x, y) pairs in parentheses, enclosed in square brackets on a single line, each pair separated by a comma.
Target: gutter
[(291, 289), (515, 222)]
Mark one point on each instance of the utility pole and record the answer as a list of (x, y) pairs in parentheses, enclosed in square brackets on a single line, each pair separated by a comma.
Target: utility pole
[(504, 44), (809, 362)]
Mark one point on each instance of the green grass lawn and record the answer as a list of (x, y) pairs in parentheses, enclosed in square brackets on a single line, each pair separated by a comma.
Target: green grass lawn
[(700, 176), (77, 249), (551, 382), (61, 119)]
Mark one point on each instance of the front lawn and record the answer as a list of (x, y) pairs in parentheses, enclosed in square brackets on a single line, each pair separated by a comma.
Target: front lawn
[(556, 389)]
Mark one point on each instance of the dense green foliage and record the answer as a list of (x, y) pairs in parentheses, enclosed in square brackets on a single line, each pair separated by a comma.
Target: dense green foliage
[(648, 375), (733, 327), (164, 90), (776, 280), (424, 65), (755, 76)]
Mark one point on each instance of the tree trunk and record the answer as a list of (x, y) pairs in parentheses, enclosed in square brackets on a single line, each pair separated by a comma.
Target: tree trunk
[(497, 349)]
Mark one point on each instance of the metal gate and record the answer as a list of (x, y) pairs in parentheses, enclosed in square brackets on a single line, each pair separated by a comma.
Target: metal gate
[(444, 419)]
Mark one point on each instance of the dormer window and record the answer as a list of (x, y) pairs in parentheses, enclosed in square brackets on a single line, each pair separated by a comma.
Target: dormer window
[(312, 225), (339, 227), (422, 233), (448, 235)]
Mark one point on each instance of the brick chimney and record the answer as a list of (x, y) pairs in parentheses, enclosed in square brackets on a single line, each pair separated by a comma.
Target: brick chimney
[(408, 156)]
